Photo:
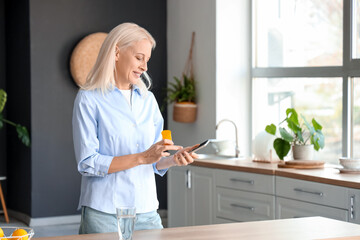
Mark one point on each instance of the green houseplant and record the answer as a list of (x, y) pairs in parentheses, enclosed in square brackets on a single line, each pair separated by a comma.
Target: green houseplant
[(182, 92), (297, 133), (22, 132)]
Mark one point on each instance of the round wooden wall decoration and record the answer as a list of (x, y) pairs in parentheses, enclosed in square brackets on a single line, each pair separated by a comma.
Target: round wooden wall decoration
[(84, 56)]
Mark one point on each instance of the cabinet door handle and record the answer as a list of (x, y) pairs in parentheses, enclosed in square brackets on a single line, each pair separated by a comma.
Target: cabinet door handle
[(242, 180), (352, 207), (306, 191), (188, 179), (242, 206)]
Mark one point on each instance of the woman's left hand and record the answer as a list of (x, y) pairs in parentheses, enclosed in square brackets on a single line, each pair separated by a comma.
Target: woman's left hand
[(183, 157)]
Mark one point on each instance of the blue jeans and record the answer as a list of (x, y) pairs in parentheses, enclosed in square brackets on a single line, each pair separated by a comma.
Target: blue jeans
[(93, 221)]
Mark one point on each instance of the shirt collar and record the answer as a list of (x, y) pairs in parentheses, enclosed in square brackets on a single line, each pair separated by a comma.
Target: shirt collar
[(135, 88)]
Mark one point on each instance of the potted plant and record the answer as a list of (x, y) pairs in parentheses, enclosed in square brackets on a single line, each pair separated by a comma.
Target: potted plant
[(182, 93), (298, 136), (22, 132)]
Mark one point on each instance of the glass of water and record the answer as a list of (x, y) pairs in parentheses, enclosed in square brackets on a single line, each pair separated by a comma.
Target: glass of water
[(126, 221)]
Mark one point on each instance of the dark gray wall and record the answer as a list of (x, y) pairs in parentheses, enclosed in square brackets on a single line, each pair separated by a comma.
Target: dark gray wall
[(55, 28), (18, 106), (2, 86)]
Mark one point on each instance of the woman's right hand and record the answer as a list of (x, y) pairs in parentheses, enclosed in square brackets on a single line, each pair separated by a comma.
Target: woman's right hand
[(157, 151)]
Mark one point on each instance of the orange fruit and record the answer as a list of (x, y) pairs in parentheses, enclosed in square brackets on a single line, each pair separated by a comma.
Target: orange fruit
[(166, 134), (21, 233)]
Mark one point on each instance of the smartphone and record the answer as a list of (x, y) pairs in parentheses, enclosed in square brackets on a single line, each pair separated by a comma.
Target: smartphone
[(202, 145)]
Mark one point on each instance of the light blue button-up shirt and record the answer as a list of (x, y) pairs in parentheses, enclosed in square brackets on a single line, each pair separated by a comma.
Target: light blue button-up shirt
[(105, 126)]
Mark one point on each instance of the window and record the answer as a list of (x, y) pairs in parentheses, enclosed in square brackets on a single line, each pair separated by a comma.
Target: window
[(356, 120), (306, 55), (319, 98), (292, 33), (356, 30)]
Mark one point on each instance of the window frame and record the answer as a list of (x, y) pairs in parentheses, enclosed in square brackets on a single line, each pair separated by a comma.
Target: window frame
[(349, 70)]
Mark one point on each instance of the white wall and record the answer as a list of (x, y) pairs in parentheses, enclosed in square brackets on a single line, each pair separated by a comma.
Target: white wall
[(184, 17), (233, 82), (222, 67)]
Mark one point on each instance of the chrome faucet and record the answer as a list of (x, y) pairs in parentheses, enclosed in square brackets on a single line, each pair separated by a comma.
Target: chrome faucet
[(237, 150)]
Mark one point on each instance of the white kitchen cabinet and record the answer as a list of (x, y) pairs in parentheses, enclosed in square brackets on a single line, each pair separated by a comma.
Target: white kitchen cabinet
[(299, 198), (251, 182), (200, 195), (318, 193), (242, 196), (219, 220), (178, 197), (288, 208), (242, 206), (354, 205), (190, 196)]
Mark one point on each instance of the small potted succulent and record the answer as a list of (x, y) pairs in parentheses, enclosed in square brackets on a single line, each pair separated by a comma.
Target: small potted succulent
[(302, 137), (182, 93), (22, 132)]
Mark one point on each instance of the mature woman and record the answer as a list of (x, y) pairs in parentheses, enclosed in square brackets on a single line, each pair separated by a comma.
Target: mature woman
[(117, 135)]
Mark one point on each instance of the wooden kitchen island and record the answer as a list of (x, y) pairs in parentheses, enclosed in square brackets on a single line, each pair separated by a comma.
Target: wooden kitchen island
[(299, 228)]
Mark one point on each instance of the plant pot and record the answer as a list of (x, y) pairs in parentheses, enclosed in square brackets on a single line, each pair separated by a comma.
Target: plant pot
[(303, 152), (185, 112)]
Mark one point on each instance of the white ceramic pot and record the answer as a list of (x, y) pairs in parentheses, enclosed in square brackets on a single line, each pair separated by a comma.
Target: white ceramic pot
[(350, 163), (263, 148), (303, 152)]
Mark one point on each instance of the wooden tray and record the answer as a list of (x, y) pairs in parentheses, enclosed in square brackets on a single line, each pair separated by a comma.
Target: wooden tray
[(265, 161), (352, 171), (302, 164)]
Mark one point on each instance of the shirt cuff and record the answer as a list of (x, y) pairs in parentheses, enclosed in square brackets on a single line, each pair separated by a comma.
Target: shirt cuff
[(159, 172), (98, 167)]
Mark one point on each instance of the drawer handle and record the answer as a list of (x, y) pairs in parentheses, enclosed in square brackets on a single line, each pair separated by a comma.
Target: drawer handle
[(188, 179), (305, 191), (352, 207), (242, 206), (242, 180)]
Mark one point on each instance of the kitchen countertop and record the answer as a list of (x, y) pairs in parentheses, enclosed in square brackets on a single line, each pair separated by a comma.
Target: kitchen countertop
[(329, 174), (296, 228)]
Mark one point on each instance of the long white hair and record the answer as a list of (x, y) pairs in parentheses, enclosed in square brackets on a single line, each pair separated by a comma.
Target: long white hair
[(102, 75)]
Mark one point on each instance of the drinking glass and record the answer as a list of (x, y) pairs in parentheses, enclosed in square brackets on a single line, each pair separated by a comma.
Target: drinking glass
[(126, 221)]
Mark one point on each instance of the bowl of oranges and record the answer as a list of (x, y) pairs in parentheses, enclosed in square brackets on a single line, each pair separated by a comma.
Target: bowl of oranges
[(12, 233)]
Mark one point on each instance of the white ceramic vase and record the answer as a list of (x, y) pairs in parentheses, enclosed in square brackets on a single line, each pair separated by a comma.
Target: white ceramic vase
[(303, 152), (263, 148)]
